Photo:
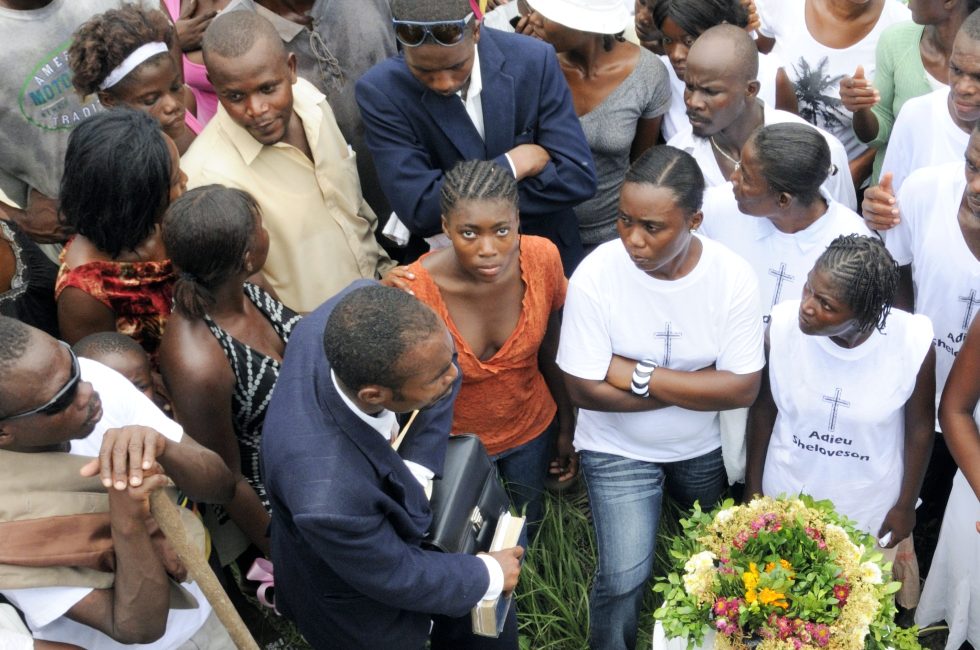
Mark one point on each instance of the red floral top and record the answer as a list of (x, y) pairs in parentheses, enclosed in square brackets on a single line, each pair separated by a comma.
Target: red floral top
[(139, 293)]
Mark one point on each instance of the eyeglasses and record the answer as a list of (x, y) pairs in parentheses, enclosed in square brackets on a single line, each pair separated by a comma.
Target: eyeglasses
[(411, 33), (63, 398)]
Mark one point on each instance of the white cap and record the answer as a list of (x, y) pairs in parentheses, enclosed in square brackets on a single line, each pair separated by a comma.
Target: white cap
[(596, 16)]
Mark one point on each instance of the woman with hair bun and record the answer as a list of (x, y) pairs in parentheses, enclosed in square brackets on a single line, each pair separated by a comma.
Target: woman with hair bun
[(775, 214), (121, 173), (125, 56), (661, 332), (224, 343), (846, 408)]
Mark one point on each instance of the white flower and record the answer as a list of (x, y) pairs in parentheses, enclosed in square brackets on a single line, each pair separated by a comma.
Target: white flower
[(699, 573), (700, 562), (870, 572), (833, 530), (725, 515)]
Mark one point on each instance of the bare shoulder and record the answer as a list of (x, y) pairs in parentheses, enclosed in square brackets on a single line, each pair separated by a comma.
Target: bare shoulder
[(191, 355)]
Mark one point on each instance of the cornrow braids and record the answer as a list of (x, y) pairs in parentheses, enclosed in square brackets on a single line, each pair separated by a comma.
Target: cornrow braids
[(105, 40), (477, 180), (866, 273)]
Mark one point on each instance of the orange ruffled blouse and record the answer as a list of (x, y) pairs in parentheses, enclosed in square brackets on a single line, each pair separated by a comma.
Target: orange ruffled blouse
[(505, 400)]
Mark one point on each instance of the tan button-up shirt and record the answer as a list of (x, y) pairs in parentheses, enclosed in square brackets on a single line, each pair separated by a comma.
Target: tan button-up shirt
[(320, 228)]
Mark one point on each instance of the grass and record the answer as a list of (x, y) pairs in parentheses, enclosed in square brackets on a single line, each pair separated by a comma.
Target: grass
[(553, 594)]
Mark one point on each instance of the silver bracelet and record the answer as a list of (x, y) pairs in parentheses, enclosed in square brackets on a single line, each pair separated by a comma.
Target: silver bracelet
[(640, 383)]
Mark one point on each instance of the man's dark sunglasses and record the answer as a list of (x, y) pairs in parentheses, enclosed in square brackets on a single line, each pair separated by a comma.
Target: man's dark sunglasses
[(63, 398), (412, 33)]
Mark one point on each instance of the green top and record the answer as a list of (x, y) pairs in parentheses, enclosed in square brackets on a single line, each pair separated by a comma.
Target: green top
[(899, 76)]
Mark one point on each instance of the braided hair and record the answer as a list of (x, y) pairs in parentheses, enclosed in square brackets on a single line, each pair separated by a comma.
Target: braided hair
[(863, 269), (477, 180), (105, 40)]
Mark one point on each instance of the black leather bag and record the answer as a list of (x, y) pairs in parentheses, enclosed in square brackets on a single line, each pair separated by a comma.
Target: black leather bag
[(467, 501)]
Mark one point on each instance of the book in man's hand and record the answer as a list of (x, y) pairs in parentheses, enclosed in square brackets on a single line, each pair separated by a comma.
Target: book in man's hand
[(489, 615)]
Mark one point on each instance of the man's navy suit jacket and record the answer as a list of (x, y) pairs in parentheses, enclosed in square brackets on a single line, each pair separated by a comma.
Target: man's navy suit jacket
[(416, 135), (348, 516)]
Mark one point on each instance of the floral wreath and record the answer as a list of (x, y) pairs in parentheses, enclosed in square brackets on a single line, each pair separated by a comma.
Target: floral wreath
[(779, 574)]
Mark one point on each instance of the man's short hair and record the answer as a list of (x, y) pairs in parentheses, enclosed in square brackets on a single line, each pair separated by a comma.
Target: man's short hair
[(430, 10), (15, 339), (370, 330), (234, 34), (742, 52), (971, 26), (103, 344)]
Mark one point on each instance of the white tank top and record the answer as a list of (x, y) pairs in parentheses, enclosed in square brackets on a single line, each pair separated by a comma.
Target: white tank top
[(840, 430)]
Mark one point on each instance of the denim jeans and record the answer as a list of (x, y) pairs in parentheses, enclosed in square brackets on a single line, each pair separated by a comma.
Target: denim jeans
[(625, 496), (523, 470)]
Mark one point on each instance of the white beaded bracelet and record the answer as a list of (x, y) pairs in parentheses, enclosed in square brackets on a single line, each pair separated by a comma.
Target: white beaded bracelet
[(640, 384)]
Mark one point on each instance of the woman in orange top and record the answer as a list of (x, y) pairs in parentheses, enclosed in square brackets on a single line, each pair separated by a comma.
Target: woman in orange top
[(500, 294)]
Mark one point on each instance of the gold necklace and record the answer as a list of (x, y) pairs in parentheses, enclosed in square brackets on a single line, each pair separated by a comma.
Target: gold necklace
[(737, 163)]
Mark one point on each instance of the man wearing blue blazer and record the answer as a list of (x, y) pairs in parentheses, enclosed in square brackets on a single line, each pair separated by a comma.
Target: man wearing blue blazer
[(461, 93), (349, 512)]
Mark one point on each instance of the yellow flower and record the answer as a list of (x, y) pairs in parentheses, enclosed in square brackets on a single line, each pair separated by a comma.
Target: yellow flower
[(769, 597), (786, 566), (750, 596), (750, 578)]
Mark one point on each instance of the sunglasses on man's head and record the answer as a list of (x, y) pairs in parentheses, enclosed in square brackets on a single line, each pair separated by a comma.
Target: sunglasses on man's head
[(411, 33), (62, 399)]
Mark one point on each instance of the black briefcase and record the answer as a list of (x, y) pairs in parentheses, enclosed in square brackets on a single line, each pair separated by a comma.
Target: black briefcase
[(467, 501)]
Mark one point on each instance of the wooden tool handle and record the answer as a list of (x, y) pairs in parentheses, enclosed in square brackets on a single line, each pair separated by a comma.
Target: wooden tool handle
[(168, 518)]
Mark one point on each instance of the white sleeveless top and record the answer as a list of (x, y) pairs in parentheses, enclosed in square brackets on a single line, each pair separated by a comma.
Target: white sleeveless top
[(840, 430)]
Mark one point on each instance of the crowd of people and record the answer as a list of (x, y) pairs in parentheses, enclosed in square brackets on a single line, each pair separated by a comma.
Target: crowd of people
[(265, 256)]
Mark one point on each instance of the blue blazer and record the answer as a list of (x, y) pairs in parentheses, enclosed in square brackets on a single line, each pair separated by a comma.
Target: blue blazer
[(416, 135), (348, 517)]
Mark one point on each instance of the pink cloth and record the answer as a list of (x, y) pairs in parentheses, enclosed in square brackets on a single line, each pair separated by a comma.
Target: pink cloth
[(193, 123), (196, 76)]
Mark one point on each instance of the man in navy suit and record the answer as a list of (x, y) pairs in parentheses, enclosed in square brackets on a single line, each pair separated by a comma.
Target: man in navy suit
[(349, 512), (461, 93)]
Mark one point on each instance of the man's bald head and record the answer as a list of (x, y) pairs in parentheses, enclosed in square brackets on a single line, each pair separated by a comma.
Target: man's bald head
[(728, 46), (232, 35)]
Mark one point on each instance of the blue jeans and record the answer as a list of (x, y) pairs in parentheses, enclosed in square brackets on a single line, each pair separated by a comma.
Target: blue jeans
[(625, 496), (523, 470)]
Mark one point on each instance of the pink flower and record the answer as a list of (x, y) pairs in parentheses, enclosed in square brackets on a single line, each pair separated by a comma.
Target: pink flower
[(784, 628), (821, 634), (721, 606), (733, 606)]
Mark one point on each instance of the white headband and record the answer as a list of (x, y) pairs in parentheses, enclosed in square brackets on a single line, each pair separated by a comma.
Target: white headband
[(131, 62)]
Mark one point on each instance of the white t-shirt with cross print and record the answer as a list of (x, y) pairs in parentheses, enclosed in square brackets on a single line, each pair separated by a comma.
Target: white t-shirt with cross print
[(781, 261), (710, 316)]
